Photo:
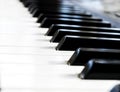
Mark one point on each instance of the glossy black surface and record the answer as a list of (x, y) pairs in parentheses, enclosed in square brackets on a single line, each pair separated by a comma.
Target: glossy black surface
[(62, 32), (47, 22), (29, 2), (87, 37), (101, 69), (55, 27), (82, 55), (74, 42), (42, 16), (60, 11)]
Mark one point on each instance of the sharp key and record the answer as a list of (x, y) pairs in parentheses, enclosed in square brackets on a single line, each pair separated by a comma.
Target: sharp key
[(55, 27), (60, 11), (62, 32), (47, 22), (31, 7), (73, 42), (42, 16), (35, 12), (82, 55), (26, 3), (32, 10), (101, 69)]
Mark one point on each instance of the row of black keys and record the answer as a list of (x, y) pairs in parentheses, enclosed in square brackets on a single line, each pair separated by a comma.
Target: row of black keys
[(97, 45)]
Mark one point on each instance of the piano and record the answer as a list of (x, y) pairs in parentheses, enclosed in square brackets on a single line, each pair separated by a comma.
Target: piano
[(29, 62)]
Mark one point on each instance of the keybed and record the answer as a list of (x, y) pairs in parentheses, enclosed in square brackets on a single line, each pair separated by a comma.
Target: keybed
[(30, 63)]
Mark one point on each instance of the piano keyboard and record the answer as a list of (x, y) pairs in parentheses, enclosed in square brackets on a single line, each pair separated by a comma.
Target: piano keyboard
[(29, 62)]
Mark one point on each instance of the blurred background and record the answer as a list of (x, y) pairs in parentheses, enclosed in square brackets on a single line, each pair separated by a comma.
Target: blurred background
[(102, 5)]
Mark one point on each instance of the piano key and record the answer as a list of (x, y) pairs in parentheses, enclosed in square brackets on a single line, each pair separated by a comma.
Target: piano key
[(37, 12), (62, 32), (69, 42), (29, 2), (55, 27), (21, 0), (44, 5), (31, 7), (64, 7), (26, 3), (47, 22), (56, 8), (101, 69), (82, 55), (39, 5), (42, 16), (28, 72)]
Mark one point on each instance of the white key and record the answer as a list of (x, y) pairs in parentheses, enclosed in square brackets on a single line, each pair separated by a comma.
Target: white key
[(30, 63)]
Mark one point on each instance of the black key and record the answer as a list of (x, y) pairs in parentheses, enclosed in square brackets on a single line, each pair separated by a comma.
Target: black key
[(32, 9), (29, 2), (55, 27), (49, 9), (38, 6), (42, 16), (47, 22), (44, 6), (26, 3), (116, 88), (37, 12), (21, 0), (101, 69), (57, 5), (62, 32), (74, 42), (82, 55)]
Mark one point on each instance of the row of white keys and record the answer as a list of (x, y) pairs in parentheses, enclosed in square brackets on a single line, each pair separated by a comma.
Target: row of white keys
[(30, 63)]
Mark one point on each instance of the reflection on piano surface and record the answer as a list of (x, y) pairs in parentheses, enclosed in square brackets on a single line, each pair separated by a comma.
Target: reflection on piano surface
[(87, 43)]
